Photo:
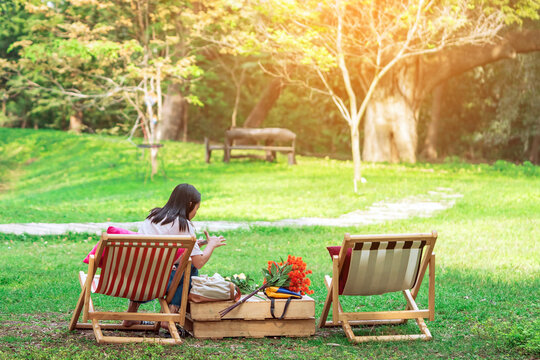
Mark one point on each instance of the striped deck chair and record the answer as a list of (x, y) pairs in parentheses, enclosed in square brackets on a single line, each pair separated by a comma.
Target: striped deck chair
[(377, 264), (135, 267)]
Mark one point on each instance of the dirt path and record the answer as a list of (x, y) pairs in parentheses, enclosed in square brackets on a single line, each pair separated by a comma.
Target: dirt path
[(424, 205)]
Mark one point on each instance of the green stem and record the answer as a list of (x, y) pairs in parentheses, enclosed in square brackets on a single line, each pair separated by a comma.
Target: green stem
[(224, 312)]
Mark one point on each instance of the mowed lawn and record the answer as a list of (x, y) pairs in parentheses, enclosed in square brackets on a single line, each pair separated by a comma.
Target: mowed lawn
[(488, 257)]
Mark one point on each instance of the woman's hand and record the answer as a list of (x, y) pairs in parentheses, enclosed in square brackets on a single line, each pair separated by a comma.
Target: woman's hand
[(214, 241)]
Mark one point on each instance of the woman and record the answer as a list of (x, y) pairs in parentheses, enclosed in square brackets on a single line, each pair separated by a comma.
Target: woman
[(175, 219)]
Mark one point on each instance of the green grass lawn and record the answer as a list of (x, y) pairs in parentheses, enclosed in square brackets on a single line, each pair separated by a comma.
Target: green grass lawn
[(488, 258)]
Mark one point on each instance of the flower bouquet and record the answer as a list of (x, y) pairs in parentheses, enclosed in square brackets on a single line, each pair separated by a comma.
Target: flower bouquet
[(298, 282), (290, 274), (244, 283)]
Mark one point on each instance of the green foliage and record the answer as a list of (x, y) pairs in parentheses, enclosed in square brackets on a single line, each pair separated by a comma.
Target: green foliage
[(491, 112), (244, 282), (321, 133), (86, 56), (52, 53), (277, 275)]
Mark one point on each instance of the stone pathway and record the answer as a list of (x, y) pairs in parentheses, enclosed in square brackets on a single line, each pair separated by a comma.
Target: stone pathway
[(420, 205)]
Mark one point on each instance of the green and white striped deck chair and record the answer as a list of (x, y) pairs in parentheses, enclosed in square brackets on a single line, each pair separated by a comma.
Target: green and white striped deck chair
[(378, 264)]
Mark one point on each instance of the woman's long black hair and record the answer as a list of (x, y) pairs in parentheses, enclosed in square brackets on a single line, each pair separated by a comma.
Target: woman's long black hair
[(183, 200)]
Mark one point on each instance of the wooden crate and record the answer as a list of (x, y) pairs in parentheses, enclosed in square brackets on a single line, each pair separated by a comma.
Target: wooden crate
[(252, 319)]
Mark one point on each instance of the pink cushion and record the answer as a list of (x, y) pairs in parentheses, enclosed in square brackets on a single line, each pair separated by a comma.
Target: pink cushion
[(117, 230), (334, 250), (110, 230)]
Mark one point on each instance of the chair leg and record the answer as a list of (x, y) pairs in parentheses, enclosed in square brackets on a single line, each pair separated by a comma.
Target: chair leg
[(327, 303), (74, 323), (426, 335), (185, 291), (102, 339), (411, 304), (97, 331), (348, 330), (423, 328), (77, 311), (172, 327), (326, 308)]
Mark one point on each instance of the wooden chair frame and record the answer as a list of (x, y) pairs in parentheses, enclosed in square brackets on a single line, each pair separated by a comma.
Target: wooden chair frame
[(86, 305), (347, 319)]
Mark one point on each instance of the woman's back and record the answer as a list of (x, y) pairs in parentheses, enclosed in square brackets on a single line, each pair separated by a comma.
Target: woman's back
[(147, 227)]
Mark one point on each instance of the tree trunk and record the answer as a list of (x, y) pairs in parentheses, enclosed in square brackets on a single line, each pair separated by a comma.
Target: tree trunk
[(4, 112), (185, 120), (153, 161), (430, 144), (390, 119), (269, 97), (535, 148), (389, 128), (355, 144), (174, 115), (75, 122)]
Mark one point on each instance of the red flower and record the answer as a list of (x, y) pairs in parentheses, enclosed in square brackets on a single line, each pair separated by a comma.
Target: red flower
[(298, 280)]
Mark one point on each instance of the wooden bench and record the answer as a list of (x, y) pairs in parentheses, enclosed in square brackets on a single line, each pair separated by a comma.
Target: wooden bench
[(253, 138)]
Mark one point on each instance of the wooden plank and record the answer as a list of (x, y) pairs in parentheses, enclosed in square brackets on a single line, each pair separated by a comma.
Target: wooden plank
[(431, 293), (362, 339), (260, 134), (327, 302), (253, 328), (88, 326), (261, 147), (181, 239), (152, 340), (252, 147), (410, 301), (365, 322), (335, 289), (253, 309), (382, 315), (429, 237), (98, 315), (249, 156)]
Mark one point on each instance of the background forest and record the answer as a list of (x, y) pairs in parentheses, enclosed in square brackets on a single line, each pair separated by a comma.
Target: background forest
[(94, 67)]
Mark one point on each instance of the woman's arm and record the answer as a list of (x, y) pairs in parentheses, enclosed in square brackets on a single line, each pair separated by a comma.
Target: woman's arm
[(213, 242)]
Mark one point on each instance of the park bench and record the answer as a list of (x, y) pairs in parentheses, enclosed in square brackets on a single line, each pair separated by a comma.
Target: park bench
[(263, 139)]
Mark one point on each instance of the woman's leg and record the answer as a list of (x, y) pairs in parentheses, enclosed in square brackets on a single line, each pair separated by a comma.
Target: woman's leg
[(132, 307), (174, 306)]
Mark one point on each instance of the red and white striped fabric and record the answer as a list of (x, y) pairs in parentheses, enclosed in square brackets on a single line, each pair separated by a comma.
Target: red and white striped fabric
[(136, 273), (95, 280)]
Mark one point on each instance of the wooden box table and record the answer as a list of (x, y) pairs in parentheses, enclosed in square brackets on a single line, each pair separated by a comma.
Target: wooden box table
[(252, 319)]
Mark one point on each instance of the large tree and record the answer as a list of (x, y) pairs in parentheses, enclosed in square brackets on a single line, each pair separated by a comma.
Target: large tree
[(388, 55), (98, 54), (491, 112)]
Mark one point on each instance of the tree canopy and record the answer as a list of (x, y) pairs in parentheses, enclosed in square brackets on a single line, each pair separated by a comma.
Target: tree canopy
[(114, 63)]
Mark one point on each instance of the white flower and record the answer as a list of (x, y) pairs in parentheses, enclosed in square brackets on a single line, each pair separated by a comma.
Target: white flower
[(242, 276), (235, 276)]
